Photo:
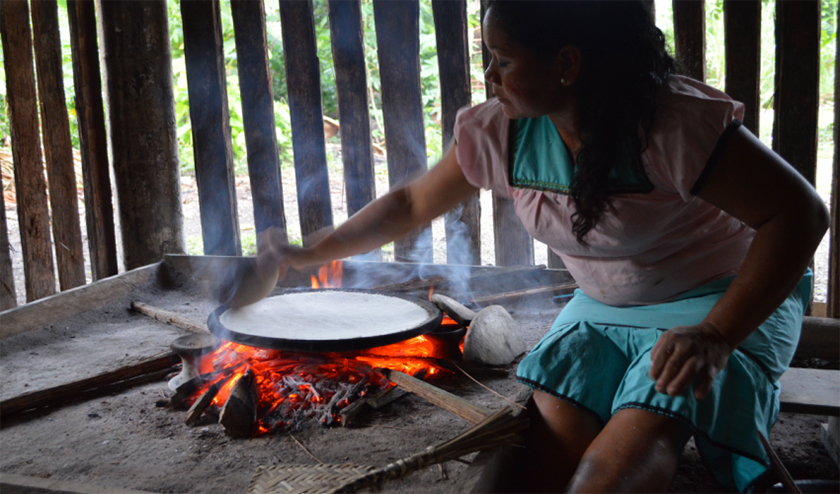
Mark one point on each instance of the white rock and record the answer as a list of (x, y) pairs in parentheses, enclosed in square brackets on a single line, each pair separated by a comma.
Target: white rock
[(492, 338)]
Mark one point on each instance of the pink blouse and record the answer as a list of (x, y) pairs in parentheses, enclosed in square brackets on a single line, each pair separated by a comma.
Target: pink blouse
[(647, 247)]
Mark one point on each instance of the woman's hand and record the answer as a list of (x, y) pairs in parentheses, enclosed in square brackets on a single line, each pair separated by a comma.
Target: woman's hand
[(275, 253), (687, 354)]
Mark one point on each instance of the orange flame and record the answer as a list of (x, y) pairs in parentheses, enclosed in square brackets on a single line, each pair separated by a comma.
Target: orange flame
[(329, 275)]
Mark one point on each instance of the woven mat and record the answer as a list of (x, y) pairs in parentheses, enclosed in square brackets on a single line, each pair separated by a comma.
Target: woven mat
[(303, 479)]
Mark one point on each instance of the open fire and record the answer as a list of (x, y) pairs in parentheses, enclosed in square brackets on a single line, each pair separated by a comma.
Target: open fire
[(292, 387)]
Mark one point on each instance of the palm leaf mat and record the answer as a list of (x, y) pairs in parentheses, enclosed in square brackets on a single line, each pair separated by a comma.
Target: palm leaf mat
[(499, 429)]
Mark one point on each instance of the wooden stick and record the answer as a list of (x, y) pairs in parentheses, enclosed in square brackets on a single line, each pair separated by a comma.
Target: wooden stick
[(468, 411), (201, 404), (506, 296), (169, 317), (779, 467), (386, 396), (351, 411), (240, 412), (147, 370)]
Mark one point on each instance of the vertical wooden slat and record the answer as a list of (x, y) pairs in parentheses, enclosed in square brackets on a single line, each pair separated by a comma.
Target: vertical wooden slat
[(93, 143), (303, 80), (463, 225), (8, 299), (514, 246), (58, 151), (210, 120), (257, 98), (797, 84), (554, 261), (833, 297), (690, 37), (348, 52), (141, 123), (742, 27), (33, 215), (398, 40)]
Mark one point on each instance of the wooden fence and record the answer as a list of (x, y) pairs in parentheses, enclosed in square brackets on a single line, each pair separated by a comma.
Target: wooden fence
[(136, 90)]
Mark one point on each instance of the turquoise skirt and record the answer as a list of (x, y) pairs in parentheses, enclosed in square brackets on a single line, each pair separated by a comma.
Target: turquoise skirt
[(597, 357)]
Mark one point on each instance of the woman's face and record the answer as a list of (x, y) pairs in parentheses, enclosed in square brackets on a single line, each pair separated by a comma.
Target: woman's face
[(526, 85)]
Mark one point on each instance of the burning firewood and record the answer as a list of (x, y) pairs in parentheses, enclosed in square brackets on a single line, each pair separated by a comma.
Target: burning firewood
[(203, 402), (386, 396), (239, 414), (468, 411)]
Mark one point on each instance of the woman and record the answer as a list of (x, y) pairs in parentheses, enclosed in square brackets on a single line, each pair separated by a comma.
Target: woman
[(688, 237)]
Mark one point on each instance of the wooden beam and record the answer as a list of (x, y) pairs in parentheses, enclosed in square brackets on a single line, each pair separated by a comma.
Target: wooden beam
[(123, 377), (257, 96), (554, 261), (833, 297), (398, 44), (210, 120), (58, 150), (742, 32), (303, 80), (468, 411), (141, 122), (797, 84), (811, 391), (90, 115), (348, 50), (11, 483), (31, 188), (690, 37), (56, 308), (463, 223), (8, 298), (820, 338)]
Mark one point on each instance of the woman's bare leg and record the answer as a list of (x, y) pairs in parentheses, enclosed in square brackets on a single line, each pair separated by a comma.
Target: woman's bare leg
[(637, 451), (558, 436)]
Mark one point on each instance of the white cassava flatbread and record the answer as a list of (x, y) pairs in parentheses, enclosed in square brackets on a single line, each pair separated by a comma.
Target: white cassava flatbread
[(325, 315)]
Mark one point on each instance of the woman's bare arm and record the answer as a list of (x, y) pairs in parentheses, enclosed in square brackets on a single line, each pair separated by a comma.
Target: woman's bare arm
[(389, 217), (755, 185)]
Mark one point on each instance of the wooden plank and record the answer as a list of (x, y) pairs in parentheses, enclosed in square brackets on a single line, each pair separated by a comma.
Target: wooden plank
[(99, 211), (797, 84), (8, 298), (348, 50), (398, 44), (833, 297), (258, 113), (11, 483), (141, 123), (554, 261), (303, 80), (58, 150), (31, 188), (690, 37), (66, 304), (514, 246), (811, 391), (106, 382), (169, 317), (463, 223), (210, 120), (455, 404), (742, 32), (820, 338)]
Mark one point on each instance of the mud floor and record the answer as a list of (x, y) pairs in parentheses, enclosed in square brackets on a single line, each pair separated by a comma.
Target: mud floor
[(125, 441)]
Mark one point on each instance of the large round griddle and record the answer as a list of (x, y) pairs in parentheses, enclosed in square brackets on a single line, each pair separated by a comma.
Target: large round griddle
[(329, 323)]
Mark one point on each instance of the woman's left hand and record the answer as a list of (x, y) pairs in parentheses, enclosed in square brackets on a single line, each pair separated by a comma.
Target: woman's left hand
[(687, 354)]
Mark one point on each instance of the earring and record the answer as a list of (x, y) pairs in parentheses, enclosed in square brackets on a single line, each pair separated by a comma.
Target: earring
[(563, 81)]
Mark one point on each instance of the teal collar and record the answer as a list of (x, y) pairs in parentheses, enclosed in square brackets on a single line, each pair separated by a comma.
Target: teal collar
[(539, 160)]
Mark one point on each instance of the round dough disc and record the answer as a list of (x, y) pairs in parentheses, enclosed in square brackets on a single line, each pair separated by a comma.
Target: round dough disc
[(326, 320)]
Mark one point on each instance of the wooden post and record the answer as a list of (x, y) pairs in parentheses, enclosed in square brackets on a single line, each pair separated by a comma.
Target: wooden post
[(348, 51), (463, 224), (690, 37), (258, 113), (833, 297), (514, 246), (742, 26), (99, 210), (8, 298), (33, 215), (398, 41), (58, 150), (554, 261), (141, 123), (797, 84), (205, 60), (303, 80)]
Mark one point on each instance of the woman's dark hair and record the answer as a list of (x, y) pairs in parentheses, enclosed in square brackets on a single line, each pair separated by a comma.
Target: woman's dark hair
[(624, 63)]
